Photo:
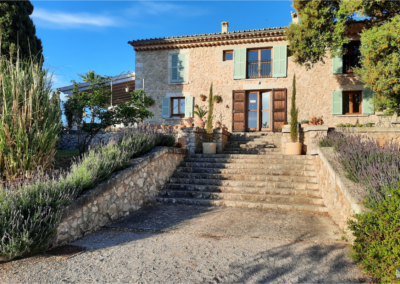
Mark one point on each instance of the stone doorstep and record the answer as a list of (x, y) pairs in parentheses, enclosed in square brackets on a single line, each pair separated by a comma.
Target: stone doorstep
[(245, 204), (244, 177), (285, 199), (272, 172), (236, 183), (248, 190), (297, 167)]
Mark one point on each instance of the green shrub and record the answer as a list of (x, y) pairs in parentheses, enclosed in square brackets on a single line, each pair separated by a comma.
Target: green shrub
[(377, 243)]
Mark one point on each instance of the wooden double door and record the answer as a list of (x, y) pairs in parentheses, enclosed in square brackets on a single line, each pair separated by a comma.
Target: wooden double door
[(259, 110)]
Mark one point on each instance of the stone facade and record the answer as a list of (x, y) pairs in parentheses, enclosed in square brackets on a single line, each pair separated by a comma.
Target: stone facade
[(206, 66), (119, 196), (341, 196)]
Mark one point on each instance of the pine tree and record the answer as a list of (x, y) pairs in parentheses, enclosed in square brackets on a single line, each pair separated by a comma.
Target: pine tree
[(294, 111), (16, 27)]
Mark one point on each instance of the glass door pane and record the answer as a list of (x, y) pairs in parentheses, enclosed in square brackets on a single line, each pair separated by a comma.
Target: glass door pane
[(266, 110), (252, 111)]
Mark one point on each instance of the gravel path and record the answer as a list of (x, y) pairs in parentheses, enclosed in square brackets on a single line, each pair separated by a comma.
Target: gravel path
[(210, 245)]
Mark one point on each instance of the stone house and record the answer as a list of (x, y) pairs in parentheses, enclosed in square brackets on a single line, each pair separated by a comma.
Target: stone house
[(252, 71)]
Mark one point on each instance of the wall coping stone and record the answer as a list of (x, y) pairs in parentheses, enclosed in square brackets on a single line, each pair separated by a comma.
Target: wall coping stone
[(367, 129), (308, 128), (349, 189), (135, 165)]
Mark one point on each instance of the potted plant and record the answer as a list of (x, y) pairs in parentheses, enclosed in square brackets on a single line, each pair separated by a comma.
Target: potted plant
[(294, 147), (203, 97), (176, 126), (304, 123), (224, 127), (218, 125), (189, 122), (217, 99), (169, 127), (210, 147), (127, 88), (181, 125), (162, 125), (155, 127), (200, 113)]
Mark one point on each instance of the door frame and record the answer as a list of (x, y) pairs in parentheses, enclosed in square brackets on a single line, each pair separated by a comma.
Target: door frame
[(259, 110)]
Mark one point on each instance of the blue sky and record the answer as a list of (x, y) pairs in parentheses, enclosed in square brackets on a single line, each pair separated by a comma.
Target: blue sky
[(82, 35)]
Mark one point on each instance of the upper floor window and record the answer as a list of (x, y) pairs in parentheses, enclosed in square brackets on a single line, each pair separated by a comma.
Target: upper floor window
[(228, 55), (259, 63), (352, 57), (178, 68)]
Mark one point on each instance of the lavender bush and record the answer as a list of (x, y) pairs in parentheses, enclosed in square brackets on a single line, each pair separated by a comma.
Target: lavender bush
[(364, 161), (31, 212)]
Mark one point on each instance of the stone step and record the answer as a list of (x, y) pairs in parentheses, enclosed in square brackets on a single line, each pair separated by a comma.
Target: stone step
[(243, 156), (285, 199), (243, 177), (247, 190), (247, 183), (245, 204), (256, 166), (262, 151), (251, 171), (249, 160)]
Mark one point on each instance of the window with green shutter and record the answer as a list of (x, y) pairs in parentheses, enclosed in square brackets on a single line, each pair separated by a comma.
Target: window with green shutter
[(239, 63), (279, 61), (178, 67)]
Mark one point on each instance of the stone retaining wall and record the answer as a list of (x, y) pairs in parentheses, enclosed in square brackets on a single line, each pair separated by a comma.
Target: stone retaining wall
[(341, 196), (122, 194), (69, 140), (383, 135)]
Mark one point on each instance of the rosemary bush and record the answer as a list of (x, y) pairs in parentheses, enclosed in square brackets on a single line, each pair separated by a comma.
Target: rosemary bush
[(30, 119), (31, 212)]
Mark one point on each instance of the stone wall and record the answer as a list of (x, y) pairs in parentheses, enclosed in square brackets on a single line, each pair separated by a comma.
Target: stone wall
[(382, 135), (205, 66), (122, 194), (69, 140), (341, 196)]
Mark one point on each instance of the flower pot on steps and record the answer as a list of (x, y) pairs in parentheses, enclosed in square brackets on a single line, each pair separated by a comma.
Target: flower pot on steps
[(209, 148), (293, 148)]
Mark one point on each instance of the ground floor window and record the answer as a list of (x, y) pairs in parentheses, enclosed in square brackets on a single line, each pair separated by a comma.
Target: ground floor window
[(178, 106), (352, 102)]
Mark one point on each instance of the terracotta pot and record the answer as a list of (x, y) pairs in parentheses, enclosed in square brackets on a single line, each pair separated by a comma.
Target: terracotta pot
[(304, 125), (217, 101), (156, 127), (175, 126), (189, 124), (163, 126), (203, 98), (293, 148), (200, 123), (181, 126), (169, 126)]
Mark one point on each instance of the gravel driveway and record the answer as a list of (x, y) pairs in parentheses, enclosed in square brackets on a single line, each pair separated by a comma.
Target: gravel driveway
[(191, 244)]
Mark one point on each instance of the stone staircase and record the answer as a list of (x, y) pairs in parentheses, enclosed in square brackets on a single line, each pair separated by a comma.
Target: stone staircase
[(251, 172)]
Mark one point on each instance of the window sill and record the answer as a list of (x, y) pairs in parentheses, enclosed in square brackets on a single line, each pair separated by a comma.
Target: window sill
[(174, 118), (178, 83), (351, 115)]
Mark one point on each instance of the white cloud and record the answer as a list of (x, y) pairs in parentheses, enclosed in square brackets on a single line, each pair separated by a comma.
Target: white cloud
[(53, 19), (159, 8)]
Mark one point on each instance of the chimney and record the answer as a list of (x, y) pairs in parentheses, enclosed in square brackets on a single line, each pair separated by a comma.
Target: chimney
[(225, 26), (295, 17)]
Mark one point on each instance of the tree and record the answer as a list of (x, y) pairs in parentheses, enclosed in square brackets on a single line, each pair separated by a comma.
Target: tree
[(209, 126), (96, 99), (322, 32), (16, 27)]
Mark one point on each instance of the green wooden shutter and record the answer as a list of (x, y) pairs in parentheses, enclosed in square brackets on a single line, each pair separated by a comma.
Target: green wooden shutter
[(279, 61), (239, 63), (189, 106), (337, 102), (174, 67), (182, 67), (166, 107), (368, 101), (337, 64)]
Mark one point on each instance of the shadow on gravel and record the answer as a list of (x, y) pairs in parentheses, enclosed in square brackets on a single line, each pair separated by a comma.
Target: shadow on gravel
[(299, 262)]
